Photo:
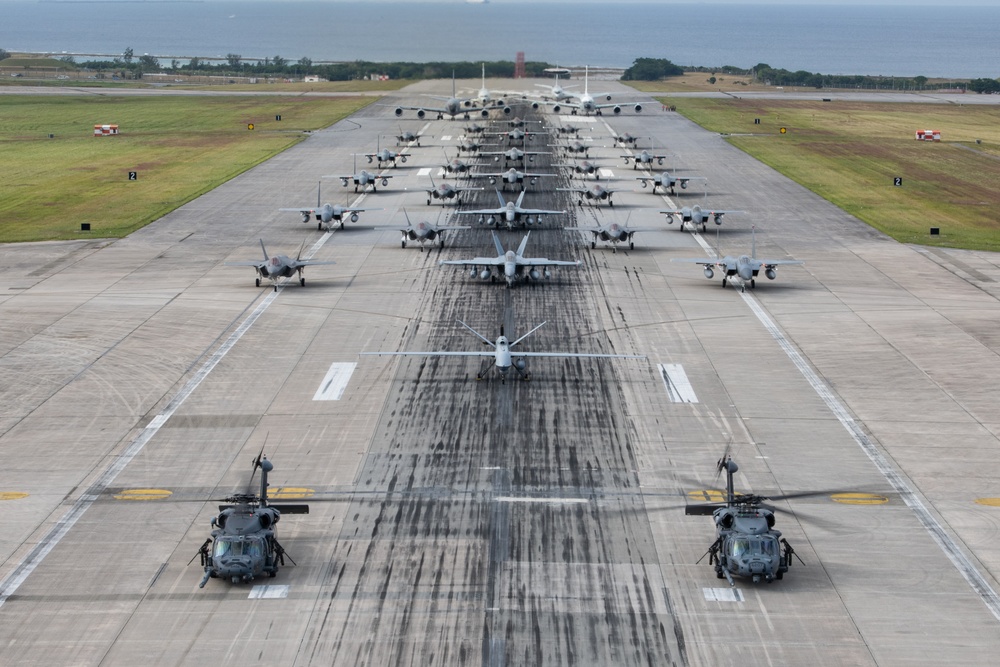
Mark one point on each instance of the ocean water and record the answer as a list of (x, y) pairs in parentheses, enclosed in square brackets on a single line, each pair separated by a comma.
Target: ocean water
[(960, 42)]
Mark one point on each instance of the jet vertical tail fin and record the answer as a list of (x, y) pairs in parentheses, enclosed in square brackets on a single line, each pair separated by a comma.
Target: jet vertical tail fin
[(753, 241), (499, 246), (524, 244), (264, 249)]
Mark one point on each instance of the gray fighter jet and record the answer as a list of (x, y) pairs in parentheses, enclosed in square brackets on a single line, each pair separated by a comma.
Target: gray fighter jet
[(595, 193), (667, 181), (279, 266), (645, 158), (696, 215), (385, 155), (504, 358), (511, 176), (363, 178), (510, 213), (328, 214), (426, 232), (446, 190), (613, 233), (509, 264), (514, 155), (745, 267)]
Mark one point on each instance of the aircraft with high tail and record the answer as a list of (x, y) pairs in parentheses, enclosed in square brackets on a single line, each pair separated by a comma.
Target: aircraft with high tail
[(668, 181), (588, 105), (453, 107), (613, 234), (696, 215)]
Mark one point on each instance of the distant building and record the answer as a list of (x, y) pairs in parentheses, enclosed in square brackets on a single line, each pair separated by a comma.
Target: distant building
[(312, 78)]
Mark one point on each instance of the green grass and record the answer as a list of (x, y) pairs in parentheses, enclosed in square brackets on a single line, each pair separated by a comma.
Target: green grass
[(180, 147), (849, 153)]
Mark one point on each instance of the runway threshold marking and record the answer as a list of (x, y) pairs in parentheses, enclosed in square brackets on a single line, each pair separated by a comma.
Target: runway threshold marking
[(972, 576), (723, 594), (268, 592), (678, 386), (143, 494), (526, 499), (335, 382), (12, 495), (424, 171), (35, 557)]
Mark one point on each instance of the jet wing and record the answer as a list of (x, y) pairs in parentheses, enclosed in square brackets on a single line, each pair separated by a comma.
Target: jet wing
[(484, 211), (430, 354), (296, 263), (246, 263), (777, 262), (729, 266), (578, 355), (537, 211), (475, 261), (541, 261)]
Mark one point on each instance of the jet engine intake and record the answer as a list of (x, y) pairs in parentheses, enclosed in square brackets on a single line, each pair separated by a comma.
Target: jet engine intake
[(556, 108), (485, 113), (617, 109), (638, 108), (399, 111), (421, 113)]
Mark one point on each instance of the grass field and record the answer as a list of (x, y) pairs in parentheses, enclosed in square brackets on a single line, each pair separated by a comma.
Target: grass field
[(850, 153), (179, 147)]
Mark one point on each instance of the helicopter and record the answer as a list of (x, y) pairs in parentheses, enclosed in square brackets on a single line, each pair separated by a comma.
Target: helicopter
[(747, 544), (243, 544)]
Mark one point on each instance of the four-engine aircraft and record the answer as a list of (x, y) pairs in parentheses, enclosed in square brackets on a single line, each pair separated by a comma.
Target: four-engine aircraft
[(279, 266), (588, 104), (746, 267), (510, 213), (454, 106), (503, 358), (510, 265)]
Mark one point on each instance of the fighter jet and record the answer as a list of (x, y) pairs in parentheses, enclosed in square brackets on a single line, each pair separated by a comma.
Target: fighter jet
[(568, 129), (514, 155), (425, 232), (446, 190), (455, 166), (576, 147), (509, 213), (385, 155), (667, 181), (625, 139), (516, 134), (468, 145), (279, 266), (587, 104), (508, 264), (594, 193), (327, 214), (454, 106), (503, 358), (475, 128), (407, 137), (511, 176), (585, 167), (696, 216), (363, 178), (613, 233), (745, 267), (645, 157)]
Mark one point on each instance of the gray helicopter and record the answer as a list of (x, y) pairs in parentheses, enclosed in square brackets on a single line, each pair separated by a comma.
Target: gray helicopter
[(747, 545), (244, 543)]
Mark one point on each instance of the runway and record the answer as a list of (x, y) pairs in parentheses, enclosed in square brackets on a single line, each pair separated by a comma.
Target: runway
[(455, 521)]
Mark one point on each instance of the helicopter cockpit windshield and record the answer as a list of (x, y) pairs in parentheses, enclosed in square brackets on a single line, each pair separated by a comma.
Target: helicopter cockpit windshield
[(228, 547)]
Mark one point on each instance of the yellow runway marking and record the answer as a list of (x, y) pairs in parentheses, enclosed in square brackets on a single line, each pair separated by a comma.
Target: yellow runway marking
[(859, 498), (989, 502), (12, 495), (143, 494), (289, 493), (708, 496)]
